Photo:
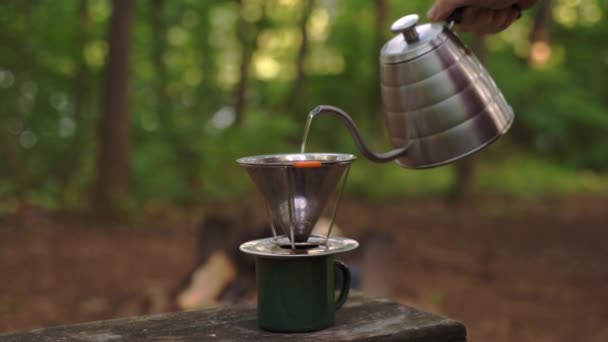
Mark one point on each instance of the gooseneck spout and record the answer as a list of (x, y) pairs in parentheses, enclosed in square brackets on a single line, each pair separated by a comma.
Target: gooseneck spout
[(354, 131)]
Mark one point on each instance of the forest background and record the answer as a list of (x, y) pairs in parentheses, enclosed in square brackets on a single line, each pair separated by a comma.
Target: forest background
[(121, 122), (156, 102)]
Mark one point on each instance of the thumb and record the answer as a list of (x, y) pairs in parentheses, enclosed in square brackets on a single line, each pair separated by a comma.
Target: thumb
[(443, 8)]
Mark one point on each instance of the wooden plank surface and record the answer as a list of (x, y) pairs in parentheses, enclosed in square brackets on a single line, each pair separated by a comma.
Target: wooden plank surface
[(361, 319)]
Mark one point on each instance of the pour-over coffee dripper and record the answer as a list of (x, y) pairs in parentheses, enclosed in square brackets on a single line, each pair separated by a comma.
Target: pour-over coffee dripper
[(296, 189), (295, 272)]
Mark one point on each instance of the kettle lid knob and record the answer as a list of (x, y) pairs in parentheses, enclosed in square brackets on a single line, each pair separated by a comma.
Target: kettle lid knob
[(407, 26), (412, 40)]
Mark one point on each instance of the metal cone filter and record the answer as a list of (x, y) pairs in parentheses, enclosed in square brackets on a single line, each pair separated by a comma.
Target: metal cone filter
[(296, 187)]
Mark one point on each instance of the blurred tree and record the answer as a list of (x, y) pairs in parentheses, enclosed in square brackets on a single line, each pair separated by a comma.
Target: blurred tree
[(67, 170), (14, 164), (201, 67), (159, 32), (380, 37), (540, 34), (464, 170), (291, 102), (247, 33), (113, 172)]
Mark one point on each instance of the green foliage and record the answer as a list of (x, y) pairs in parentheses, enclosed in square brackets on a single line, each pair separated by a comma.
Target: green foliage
[(261, 133), (558, 116), (186, 60), (524, 174), (368, 180)]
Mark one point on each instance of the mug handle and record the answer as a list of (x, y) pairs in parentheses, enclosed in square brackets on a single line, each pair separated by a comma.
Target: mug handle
[(345, 288)]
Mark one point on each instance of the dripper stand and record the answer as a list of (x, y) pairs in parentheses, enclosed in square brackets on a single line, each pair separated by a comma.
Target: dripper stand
[(311, 240), (295, 189)]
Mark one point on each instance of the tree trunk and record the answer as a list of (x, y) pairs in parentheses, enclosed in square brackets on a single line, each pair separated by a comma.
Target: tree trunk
[(80, 89), (158, 49), (113, 176), (464, 174), (478, 46), (380, 29), (159, 31), (170, 131), (542, 22), (73, 158), (291, 100), (540, 34), (464, 170), (14, 161), (248, 36)]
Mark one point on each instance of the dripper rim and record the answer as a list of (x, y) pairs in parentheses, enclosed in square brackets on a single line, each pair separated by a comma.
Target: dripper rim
[(288, 159)]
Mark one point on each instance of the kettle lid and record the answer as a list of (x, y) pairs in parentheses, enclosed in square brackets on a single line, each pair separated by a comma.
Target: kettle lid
[(412, 40)]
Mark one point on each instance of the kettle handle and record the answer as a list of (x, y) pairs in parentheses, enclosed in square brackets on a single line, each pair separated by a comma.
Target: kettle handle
[(354, 131), (456, 16)]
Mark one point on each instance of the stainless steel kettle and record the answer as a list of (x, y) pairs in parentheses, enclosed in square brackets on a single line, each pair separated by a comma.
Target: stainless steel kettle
[(440, 102)]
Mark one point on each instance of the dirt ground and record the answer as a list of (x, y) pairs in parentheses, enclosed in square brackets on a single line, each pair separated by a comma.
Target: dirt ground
[(509, 269)]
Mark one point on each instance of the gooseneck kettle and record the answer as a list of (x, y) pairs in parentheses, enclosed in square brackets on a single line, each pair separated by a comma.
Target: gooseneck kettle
[(440, 102)]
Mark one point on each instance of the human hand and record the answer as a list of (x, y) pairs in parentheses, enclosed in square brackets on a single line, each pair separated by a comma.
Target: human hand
[(481, 16)]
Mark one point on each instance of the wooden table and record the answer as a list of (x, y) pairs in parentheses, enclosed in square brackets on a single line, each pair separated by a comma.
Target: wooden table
[(361, 319)]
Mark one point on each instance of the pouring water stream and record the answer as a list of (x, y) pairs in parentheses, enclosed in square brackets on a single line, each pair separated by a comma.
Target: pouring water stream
[(306, 129)]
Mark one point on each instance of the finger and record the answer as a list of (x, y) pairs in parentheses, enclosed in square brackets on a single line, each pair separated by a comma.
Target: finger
[(525, 4), (472, 16), (513, 15), (496, 4), (500, 20), (480, 21), (442, 9)]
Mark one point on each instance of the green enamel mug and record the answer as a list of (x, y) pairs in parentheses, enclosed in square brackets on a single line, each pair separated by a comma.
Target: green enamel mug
[(296, 283), (298, 294)]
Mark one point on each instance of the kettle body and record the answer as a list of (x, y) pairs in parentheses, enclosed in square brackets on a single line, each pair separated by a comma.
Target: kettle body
[(440, 103)]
